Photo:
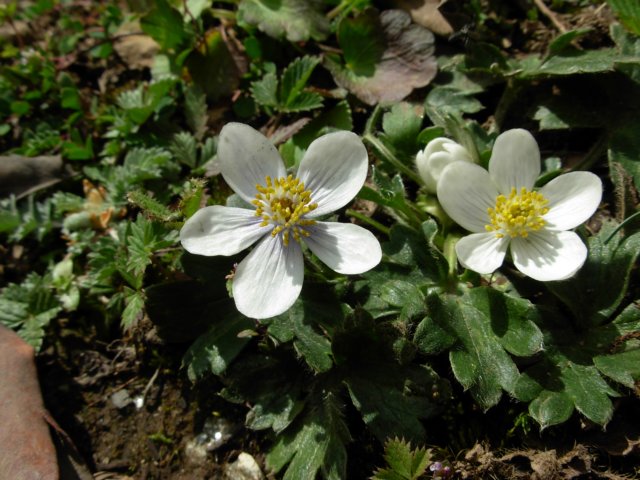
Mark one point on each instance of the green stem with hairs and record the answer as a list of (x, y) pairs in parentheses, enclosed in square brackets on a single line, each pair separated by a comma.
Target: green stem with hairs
[(369, 221), (386, 155)]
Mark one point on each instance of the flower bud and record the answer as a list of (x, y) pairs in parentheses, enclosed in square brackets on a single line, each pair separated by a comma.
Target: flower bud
[(438, 153)]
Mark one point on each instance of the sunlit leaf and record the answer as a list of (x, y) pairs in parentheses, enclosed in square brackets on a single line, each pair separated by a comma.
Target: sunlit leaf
[(297, 20)]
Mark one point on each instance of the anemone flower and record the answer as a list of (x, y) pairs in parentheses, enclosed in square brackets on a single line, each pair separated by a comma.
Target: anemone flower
[(285, 214), (501, 209), (439, 153)]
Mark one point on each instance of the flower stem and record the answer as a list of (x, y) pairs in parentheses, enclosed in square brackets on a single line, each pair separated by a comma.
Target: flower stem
[(449, 251), (386, 155), (369, 221), (621, 226), (593, 155)]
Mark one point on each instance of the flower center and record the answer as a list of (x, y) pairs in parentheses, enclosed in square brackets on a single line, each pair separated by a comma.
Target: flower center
[(518, 214), (282, 203)]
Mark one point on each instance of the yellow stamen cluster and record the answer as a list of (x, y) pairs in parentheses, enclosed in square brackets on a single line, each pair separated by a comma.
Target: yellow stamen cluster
[(283, 202), (518, 214)]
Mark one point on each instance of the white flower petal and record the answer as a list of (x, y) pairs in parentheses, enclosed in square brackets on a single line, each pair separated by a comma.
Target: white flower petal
[(334, 168), (219, 230), (466, 191), (344, 247), (246, 158), (515, 161), (439, 153), (573, 198), (547, 256), (268, 281), (482, 252)]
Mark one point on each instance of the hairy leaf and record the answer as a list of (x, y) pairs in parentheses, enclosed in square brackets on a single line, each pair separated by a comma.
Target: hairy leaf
[(313, 444), (297, 20), (29, 307), (214, 351), (596, 291)]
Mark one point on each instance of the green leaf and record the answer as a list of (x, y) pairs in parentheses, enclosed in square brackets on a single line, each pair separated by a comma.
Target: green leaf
[(624, 149), (297, 20), (214, 351), (392, 400), (316, 308), (431, 338), (272, 386), (265, 90), (143, 239), (402, 125), (568, 374), (629, 45), (185, 149), (551, 408), (29, 307), (295, 77), (70, 98), (563, 41), (212, 67), (582, 61), (629, 13), (195, 107), (596, 291), (622, 367), (565, 385), (404, 463), (451, 101), (337, 117), (150, 206), (142, 102), (512, 320), (362, 42), (165, 25), (478, 359), (404, 295), (133, 311), (315, 443)]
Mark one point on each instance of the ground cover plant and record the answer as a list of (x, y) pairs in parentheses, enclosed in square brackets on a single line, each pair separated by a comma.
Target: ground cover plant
[(352, 238)]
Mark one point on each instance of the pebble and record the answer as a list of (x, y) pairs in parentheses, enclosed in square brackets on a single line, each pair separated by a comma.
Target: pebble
[(244, 468)]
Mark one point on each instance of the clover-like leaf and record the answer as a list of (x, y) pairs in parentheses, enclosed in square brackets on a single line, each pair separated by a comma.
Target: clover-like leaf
[(406, 63)]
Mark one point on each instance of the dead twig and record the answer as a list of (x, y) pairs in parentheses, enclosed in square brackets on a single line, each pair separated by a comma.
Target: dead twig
[(547, 12)]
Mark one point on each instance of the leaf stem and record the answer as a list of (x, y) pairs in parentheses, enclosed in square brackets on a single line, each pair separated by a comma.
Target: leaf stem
[(593, 155), (386, 155), (621, 226), (369, 221)]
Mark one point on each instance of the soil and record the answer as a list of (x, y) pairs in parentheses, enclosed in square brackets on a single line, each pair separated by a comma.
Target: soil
[(90, 388)]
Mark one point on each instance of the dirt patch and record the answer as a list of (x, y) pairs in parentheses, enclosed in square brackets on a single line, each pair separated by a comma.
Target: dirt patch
[(132, 413)]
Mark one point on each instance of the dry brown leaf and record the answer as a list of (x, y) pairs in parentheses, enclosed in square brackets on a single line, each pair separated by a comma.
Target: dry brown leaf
[(23, 175), (25, 443), (136, 49)]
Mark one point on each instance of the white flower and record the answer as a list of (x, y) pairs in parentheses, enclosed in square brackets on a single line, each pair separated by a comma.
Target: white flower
[(268, 281), (501, 208), (439, 153)]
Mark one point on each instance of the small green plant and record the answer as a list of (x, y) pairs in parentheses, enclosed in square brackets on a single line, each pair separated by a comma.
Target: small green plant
[(403, 462)]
